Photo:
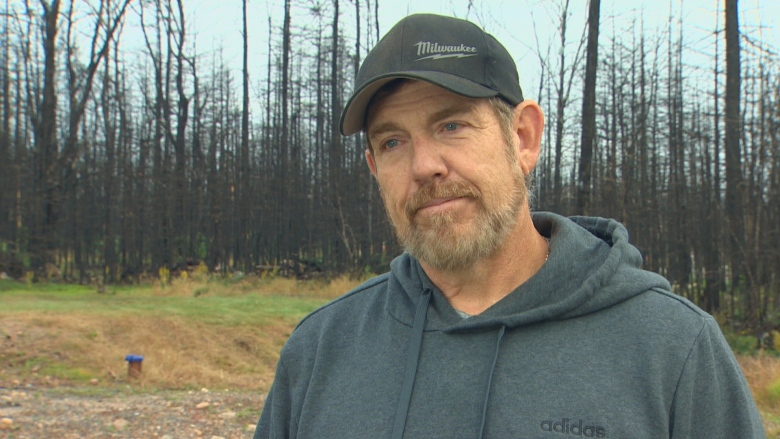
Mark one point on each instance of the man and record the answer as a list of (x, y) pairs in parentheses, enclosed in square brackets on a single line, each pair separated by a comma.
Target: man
[(495, 322)]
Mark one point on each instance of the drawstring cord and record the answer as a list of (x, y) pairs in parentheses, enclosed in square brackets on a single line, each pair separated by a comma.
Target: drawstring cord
[(412, 358), (490, 381)]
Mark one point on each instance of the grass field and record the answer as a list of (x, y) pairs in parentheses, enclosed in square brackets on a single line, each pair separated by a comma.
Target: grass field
[(219, 334)]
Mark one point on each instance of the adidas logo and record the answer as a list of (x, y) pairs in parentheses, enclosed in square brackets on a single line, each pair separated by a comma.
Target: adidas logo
[(567, 426)]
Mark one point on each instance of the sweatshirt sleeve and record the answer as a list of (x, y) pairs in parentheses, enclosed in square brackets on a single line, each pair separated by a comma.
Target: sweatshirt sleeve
[(712, 399), (276, 420)]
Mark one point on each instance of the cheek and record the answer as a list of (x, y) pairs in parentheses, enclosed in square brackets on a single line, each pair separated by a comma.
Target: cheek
[(392, 195), (392, 180), (490, 177), (497, 181)]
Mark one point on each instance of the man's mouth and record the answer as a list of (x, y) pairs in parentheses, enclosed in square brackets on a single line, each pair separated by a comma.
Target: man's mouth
[(437, 202), (436, 197)]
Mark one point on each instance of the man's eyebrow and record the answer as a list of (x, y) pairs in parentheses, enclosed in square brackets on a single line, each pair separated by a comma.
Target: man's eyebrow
[(381, 128), (450, 111)]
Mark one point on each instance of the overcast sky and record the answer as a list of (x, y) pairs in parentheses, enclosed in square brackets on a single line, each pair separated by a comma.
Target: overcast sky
[(518, 24)]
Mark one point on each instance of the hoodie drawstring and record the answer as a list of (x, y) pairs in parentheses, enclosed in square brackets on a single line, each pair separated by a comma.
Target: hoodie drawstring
[(490, 381), (412, 358)]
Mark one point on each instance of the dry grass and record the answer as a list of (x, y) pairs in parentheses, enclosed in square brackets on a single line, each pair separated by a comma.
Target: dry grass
[(276, 286), (217, 334), (763, 374), (177, 353)]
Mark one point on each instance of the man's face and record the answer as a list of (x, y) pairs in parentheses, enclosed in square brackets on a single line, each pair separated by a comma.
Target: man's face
[(451, 188)]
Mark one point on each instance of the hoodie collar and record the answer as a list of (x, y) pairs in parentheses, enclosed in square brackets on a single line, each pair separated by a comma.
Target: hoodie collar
[(591, 266)]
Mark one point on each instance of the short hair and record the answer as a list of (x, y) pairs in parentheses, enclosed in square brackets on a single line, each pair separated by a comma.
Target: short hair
[(505, 113)]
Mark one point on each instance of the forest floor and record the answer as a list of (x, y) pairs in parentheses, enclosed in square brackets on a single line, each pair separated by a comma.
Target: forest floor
[(43, 395), (49, 410)]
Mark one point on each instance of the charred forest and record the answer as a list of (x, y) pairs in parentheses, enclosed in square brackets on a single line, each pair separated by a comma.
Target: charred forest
[(115, 163)]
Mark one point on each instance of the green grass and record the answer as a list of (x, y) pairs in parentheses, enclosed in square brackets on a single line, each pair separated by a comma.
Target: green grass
[(46, 367), (250, 308), (61, 288)]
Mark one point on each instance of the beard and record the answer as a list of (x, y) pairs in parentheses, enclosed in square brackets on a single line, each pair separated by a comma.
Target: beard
[(441, 241)]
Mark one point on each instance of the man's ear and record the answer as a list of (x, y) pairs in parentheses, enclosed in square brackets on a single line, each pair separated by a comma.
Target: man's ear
[(528, 126), (371, 162)]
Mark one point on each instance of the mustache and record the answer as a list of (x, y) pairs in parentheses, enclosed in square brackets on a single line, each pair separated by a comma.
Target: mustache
[(432, 191)]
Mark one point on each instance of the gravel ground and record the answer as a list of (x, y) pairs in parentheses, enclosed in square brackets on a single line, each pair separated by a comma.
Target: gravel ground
[(40, 411)]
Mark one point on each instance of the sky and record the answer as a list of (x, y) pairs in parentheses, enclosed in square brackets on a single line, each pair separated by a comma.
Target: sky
[(521, 25)]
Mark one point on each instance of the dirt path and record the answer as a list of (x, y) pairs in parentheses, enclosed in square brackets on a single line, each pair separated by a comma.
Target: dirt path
[(39, 411)]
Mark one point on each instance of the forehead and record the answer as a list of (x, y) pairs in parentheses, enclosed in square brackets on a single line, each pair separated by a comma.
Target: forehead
[(403, 96)]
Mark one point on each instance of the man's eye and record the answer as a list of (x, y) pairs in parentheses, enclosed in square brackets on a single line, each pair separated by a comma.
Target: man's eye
[(451, 126), (392, 143)]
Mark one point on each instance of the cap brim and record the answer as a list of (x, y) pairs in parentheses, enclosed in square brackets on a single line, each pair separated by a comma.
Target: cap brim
[(353, 117)]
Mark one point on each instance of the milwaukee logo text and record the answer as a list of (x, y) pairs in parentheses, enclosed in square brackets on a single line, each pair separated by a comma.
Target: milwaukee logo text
[(574, 428), (436, 50)]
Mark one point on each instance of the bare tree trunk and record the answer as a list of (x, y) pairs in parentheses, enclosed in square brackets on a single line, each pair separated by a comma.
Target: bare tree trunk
[(733, 202), (179, 141), (283, 193), (678, 250), (376, 18), (340, 246), (22, 157), (320, 194), (563, 85), (559, 113), (42, 239), (589, 109), (244, 180), (157, 186), (109, 127), (713, 272), (6, 164)]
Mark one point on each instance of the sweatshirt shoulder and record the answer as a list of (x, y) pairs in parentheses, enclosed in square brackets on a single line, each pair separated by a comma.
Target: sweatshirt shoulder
[(681, 304), (670, 313), (663, 328), (335, 322), (352, 301)]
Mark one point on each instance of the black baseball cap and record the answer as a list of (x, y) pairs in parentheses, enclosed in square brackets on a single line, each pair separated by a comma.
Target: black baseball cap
[(449, 52)]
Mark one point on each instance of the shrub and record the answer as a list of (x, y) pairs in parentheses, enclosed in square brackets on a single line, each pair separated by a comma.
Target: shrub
[(773, 391), (742, 344)]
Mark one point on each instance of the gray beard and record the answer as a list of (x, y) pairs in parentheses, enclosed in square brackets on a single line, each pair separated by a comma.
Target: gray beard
[(439, 247)]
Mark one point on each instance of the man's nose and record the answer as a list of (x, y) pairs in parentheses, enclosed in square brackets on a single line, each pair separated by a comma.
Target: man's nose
[(428, 160)]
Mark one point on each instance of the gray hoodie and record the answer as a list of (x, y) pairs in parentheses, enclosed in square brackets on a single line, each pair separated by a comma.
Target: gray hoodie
[(591, 346)]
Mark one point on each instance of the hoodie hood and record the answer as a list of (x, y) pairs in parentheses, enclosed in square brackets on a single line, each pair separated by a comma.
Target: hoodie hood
[(591, 266)]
